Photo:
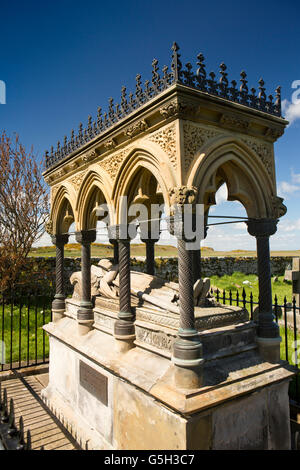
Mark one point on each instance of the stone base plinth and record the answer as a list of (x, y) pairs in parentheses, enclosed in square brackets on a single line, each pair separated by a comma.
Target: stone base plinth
[(111, 399)]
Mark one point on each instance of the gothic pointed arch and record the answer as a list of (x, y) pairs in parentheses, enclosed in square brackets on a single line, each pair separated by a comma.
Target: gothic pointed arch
[(94, 191), (248, 177), (63, 212), (141, 180)]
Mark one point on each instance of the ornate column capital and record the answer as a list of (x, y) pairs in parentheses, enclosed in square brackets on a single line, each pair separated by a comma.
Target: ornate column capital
[(279, 209), (184, 219), (86, 237), (182, 195), (262, 227), (60, 239)]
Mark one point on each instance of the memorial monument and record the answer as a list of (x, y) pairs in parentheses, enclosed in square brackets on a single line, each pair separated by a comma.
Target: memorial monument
[(137, 362)]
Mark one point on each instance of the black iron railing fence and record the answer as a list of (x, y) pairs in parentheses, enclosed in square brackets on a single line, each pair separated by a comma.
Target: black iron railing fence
[(287, 316), (23, 341), (12, 436)]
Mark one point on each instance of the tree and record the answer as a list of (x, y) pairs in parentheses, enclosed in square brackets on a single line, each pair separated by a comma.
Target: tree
[(24, 208)]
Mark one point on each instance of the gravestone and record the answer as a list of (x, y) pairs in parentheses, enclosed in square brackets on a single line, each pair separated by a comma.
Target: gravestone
[(294, 276)]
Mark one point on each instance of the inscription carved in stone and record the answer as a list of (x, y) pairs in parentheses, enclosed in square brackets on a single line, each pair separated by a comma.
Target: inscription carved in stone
[(159, 340)]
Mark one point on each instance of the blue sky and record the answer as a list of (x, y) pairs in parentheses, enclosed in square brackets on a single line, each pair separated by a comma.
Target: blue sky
[(61, 59)]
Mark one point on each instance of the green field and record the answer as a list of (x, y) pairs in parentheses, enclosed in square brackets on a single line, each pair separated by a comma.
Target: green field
[(235, 284), (100, 250), (21, 330)]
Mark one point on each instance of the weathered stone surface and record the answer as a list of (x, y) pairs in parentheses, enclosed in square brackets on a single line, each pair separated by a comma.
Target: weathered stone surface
[(142, 423), (279, 417), (145, 410), (258, 422), (242, 425)]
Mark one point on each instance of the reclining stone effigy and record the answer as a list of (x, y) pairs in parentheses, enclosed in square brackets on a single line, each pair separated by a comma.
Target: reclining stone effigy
[(147, 288)]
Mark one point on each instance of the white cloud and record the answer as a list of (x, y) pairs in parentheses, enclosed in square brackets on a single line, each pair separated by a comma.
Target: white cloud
[(291, 111), (240, 226), (286, 188), (221, 194), (295, 177), (288, 226)]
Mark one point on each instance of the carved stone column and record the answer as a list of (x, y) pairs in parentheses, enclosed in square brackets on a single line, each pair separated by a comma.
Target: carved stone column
[(187, 349), (124, 327), (116, 250), (85, 314), (268, 338), (150, 256), (58, 304), (196, 260), (150, 251), (150, 232)]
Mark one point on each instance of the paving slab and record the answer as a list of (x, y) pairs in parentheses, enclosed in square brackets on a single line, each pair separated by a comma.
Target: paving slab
[(46, 431)]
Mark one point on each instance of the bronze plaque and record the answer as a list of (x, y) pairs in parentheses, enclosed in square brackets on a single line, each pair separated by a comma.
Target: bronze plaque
[(93, 381)]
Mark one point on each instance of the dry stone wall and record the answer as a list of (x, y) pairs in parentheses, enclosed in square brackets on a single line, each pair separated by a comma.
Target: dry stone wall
[(40, 272)]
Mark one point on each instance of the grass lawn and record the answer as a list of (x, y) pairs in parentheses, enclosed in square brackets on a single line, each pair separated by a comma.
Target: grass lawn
[(235, 284), (21, 328), (292, 356), (280, 288)]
